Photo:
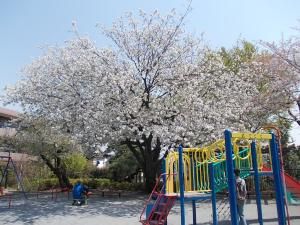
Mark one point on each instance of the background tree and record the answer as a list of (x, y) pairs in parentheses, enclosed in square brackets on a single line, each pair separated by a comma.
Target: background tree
[(243, 52), (291, 158), (274, 83), (286, 54), (52, 147), (123, 165)]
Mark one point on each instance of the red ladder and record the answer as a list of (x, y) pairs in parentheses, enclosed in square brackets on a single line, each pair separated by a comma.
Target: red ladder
[(161, 207)]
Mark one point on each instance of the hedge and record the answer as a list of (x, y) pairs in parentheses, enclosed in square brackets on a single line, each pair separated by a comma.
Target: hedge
[(93, 183)]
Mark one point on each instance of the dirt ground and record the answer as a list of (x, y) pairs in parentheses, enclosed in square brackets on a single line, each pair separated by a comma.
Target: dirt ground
[(119, 211)]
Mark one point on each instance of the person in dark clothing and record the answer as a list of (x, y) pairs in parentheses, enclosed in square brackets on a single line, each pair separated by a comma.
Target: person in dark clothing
[(79, 193), (241, 192)]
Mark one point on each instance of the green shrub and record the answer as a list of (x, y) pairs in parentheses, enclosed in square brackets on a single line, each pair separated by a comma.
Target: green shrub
[(100, 173), (93, 183), (48, 183), (104, 184), (30, 185), (76, 165), (40, 184)]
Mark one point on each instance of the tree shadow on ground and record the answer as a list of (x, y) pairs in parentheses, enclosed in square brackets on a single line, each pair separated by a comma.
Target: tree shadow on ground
[(28, 211), (44, 208)]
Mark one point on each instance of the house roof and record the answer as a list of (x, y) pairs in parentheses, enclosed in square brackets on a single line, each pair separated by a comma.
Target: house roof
[(7, 132), (17, 157), (8, 113)]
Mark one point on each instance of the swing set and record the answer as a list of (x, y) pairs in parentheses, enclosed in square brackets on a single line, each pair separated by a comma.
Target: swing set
[(9, 166)]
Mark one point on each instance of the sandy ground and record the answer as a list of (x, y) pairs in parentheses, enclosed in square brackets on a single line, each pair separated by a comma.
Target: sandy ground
[(118, 211)]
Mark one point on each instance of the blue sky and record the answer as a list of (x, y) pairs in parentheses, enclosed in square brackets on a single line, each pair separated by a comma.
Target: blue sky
[(25, 26)]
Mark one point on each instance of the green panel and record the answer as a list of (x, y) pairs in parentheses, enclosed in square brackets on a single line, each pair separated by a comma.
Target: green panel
[(221, 172)]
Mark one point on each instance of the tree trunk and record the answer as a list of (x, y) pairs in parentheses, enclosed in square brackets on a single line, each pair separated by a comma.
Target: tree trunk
[(150, 176), (62, 177), (59, 171), (148, 158)]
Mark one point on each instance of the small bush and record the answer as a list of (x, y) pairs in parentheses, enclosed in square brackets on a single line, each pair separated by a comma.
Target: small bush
[(93, 183), (76, 165), (41, 184), (100, 173), (47, 184)]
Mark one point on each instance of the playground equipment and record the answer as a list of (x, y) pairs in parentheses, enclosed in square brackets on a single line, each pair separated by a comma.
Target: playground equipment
[(292, 188), (290, 185), (193, 174), (10, 165)]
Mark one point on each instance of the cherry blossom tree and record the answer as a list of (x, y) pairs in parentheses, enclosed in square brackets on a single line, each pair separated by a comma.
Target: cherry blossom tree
[(156, 87), (286, 56)]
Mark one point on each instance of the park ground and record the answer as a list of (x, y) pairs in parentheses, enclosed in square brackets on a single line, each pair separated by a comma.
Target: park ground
[(117, 211)]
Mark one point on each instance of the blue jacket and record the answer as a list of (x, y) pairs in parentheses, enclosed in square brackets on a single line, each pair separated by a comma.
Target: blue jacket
[(78, 191)]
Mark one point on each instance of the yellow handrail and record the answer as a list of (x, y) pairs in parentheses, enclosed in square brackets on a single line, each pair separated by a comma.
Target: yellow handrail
[(196, 161)]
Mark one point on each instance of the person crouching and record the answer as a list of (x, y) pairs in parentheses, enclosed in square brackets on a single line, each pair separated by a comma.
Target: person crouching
[(79, 191)]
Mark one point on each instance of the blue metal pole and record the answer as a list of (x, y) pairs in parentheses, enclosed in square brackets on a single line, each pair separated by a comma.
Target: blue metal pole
[(282, 182), (231, 178), (181, 184), (278, 183), (194, 212), (213, 193), (256, 180)]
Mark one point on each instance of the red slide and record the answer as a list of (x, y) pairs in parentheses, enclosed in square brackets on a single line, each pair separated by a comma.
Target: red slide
[(292, 184)]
